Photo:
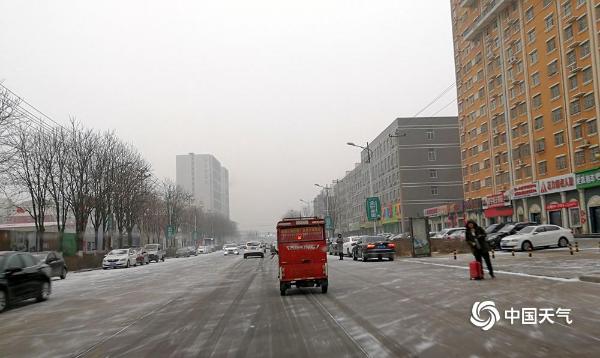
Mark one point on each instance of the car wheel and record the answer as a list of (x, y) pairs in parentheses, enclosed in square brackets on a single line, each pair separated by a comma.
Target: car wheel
[(391, 258), (324, 288), (3, 300), (44, 292), (245, 257), (127, 264), (364, 258), (563, 242), (63, 274), (526, 246)]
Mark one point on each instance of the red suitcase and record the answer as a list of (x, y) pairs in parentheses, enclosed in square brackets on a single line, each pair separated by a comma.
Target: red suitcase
[(476, 270)]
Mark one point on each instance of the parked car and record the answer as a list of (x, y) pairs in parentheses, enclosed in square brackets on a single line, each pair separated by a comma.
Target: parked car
[(155, 252), (56, 264), (531, 237), (368, 247), (142, 256), (201, 250), (494, 228), (404, 235), (22, 277), (120, 258), (182, 252), (192, 251), (230, 249), (253, 249), (450, 233), (508, 229), (347, 247)]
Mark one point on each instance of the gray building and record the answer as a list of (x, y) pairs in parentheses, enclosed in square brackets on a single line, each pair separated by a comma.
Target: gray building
[(415, 165), (206, 179)]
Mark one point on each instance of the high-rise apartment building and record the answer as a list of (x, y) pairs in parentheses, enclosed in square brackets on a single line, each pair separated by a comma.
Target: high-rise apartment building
[(203, 176), (528, 92)]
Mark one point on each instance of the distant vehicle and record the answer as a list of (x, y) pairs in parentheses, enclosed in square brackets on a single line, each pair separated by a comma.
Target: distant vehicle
[(142, 256), (22, 277), (253, 249), (531, 237), (450, 233), (192, 251), (302, 253), (120, 258), (56, 263), (230, 249), (347, 246), (155, 252), (507, 230), (182, 252), (202, 250), (369, 247), (404, 235)]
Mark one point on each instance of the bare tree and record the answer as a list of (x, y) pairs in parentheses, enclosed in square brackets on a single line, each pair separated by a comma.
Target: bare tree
[(176, 200), (57, 157), (9, 117)]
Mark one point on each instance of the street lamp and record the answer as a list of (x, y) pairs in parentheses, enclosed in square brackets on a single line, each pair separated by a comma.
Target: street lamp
[(398, 134), (326, 188), (372, 193), (307, 212)]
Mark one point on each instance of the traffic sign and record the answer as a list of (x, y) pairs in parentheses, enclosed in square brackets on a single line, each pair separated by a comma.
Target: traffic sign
[(170, 231), (328, 223), (373, 206)]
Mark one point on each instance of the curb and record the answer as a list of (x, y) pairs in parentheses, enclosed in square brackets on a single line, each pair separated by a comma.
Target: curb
[(594, 277)]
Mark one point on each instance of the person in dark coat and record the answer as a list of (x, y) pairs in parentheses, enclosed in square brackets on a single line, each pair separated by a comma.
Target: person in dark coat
[(340, 246), (476, 238)]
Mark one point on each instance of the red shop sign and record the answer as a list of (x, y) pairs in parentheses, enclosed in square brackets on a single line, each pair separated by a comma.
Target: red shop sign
[(555, 207)]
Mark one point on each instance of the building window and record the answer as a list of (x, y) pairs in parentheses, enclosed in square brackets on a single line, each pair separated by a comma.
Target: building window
[(557, 115), (561, 162), (529, 14), (584, 49), (592, 127), (535, 79), (552, 68), (571, 58), (582, 23), (587, 75), (537, 101), (559, 138), (540, 145), (594, 154), (434, 191), (547, 2), (554, 92), (580, 157), (549, 21), (433, 174), (538, 122), (488, 182), (569, 32), (431, 155), (588, 101), (574, 107), (551, 45), (429, 134), (485, 146), (533, 57), (578, 131), (566, 7), (484, 128), (543, 168), (573, 82)]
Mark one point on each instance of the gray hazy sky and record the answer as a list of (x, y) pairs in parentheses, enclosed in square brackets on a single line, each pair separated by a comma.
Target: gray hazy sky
[(274, 89)]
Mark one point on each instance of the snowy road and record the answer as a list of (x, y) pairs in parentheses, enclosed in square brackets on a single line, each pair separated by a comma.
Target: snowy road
[(215, 306)]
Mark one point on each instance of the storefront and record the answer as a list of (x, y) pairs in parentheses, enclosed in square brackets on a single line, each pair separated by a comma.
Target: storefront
[(443, 216), (497, 208), (520, 195), (588, 183), (560, 197)]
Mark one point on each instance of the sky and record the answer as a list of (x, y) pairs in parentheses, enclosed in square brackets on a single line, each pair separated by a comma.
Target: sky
[(273, 88)]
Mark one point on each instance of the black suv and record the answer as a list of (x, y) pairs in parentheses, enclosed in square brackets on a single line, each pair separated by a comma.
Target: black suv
[(507, 230), (22, 277)]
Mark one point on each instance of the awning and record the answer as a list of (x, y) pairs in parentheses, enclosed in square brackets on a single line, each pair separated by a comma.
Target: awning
[(497, 212)]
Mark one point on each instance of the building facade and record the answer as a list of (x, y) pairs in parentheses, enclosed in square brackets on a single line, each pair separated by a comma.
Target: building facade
[(528, 91), (414, 165), (203, 176)]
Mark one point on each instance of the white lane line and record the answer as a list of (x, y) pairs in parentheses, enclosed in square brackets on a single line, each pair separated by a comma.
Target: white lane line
[(559, 279)]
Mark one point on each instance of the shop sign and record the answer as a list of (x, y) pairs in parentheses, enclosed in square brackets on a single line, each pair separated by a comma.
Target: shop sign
[(436, 211), (559, 206), (557, 184), (495, 201), (525, 191), (472, 204), (588, 178)]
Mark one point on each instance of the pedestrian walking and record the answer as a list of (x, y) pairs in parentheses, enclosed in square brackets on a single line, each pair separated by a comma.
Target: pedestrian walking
[(340, 246), (476, 238)]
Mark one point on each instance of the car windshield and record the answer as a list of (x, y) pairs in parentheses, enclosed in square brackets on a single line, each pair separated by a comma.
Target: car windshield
[(152, 247), (527, 229), (491, 228), (40, 257), (230, 246), (119, 252), (507, 228)]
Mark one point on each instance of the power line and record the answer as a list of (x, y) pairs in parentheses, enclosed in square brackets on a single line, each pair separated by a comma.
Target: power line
[(21, 99), (437, 98), (446, 106)]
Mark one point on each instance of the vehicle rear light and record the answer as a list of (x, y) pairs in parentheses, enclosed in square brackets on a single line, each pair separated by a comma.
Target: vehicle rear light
[(391, 246), (370, 246)]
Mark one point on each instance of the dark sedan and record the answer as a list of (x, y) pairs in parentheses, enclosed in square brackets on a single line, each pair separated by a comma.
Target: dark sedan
[(182, 252), (508, 229), (22, 277), (371, 247), (56, 264)]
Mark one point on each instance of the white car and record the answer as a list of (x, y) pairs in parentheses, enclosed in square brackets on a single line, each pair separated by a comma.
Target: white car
[(347, 247), (230, 249), (531, 237), (450, 233), (120, 258), (202, 250), (253, 249)]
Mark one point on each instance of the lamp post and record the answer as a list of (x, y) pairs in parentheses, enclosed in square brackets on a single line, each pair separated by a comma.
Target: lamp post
[(326, 188), (307, 209), (372, 193), (398, 134)]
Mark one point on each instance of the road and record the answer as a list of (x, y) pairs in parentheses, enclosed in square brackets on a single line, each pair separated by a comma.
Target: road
[(215, 306)]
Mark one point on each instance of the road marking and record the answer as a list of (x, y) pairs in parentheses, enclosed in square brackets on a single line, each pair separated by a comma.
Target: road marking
[(559, 279)]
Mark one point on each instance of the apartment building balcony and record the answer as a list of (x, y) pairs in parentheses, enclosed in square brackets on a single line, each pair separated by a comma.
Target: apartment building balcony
[(486, 17)]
